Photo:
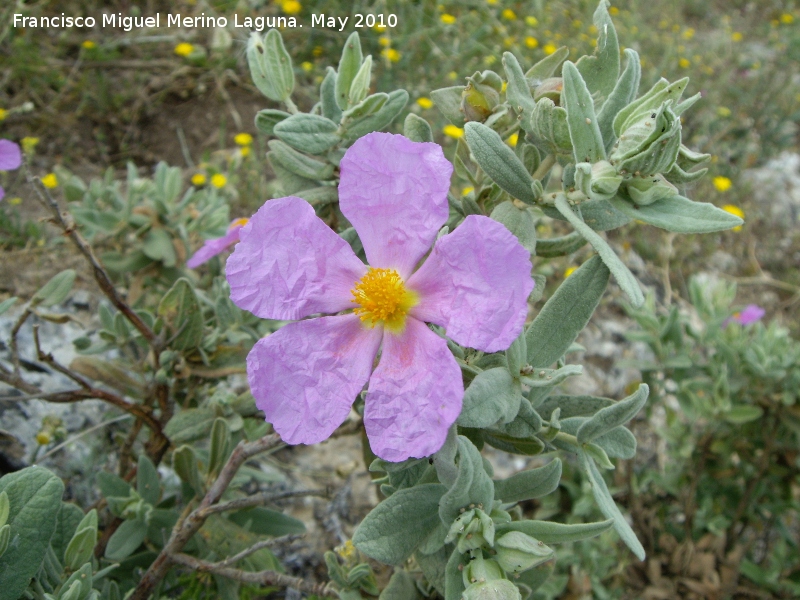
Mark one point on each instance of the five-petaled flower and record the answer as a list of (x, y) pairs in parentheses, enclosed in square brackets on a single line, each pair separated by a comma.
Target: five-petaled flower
[(10, 159), (750, 314), (217, 245), (290, 265)]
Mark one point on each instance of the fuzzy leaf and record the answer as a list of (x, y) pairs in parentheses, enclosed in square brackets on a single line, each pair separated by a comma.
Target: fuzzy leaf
[(54, 291), (518, 221), (270, 65), (472, 486), (622, 95), (606, 419), (601, 70), (491, 395), (680, 215), (448, 101), (267, 119), (550, 532), (349, 65), (532, 483), (417, 129), (584, 130)]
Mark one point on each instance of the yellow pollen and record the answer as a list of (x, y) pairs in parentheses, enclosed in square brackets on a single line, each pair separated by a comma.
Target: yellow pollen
[(383, 298), (238, 222)]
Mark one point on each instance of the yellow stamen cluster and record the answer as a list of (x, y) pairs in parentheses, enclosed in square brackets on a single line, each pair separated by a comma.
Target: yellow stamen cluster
[(383, 298)]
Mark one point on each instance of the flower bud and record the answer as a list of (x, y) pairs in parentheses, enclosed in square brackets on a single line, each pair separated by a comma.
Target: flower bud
[(599, 181), (479, 570), (481, 95), (517, 552), (646, 190), (549, 88), (649, 145), (473, 529), (499, 589), (549, 127)]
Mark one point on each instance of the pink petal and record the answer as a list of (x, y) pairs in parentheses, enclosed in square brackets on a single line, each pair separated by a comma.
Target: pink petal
[(476, 284), (750, 314), (306, 375), (213, 247), (394, 192), (414, 395), (2, 192), (289, 264), (10, 155)]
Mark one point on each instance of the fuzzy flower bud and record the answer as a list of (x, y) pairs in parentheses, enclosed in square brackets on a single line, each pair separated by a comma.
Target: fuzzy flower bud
[(517, 552), (650, 144), (481, 95)]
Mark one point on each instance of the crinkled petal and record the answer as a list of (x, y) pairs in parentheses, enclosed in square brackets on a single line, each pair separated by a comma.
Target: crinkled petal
[(306, 375), (289, 264), (213, 247), (751, 314), (394, 192), (414, 395), (10, 155), (476, 284)]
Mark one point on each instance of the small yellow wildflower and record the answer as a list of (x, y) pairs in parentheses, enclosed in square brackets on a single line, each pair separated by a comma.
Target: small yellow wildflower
[(243, 139), (447, 19), (513, 139), (724, 111), (577, 23), (491, 2), (549, 48), (43, 438), (218, 180), (384, 41), (787, 19), (509, 41), (347, 550), (467, 190), (453, 131), (509, 15), (452, 75), (198, 179), (425, 103), (88, 44), (734, 210), (774, 22), (592, 28), (15, 201), (392, 54), (28, 144), (244, 150), (291, 7), (531, 21), (684, 63), (50, 181), (569, 271), (379, 28), (723, 184), (504, 87), (531, 42), (676, 28), (317, 51), (306, 66), (688, 34), (3, 114), (489, 60), (737, 36), (613, 11), (184, 49)]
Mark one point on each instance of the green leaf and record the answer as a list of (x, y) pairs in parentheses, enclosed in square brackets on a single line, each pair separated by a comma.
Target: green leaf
[(180, 310), (112, 486), (126, 539), (383, 118), (608, 507), (740, 415), (680, 215), (158, 246), (529, 446), (492, 396), (148, 484), (623, 94), (415, 128), (499, 162), (6, 304), (392, 530), (270, 65), (601, 70), (402, 586), (472, 486), (448, 101), (518, 221), (517, 358), (190, 424), (5, 508), (184, 461), (34, 496), (299, 163), (454, 582), (79, 584), (572, 406), (290, 183), (613, 416), (220, 445), (368, 106), (622, 274), (533, 483), (308, 133), (584, 130), (557, 533), (349, 65), (80, 548), (433, 567), (265, 521), (518, 93), (560, 246), (360, 85), (5, 536), (327, 96), (566, 313), (548, 66), (319, 196), (54, 291), (267, 119)]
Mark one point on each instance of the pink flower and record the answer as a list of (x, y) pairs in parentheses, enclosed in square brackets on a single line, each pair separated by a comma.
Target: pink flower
[(10, 159), (290, 265), (750, 314), (218, 245)]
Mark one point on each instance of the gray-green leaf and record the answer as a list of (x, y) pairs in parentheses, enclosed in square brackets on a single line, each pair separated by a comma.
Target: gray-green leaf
[(606, 419), (584, 130), (532, 483), (308, 133), (270, 65), (490, 397), (56, 290), (680, 215)]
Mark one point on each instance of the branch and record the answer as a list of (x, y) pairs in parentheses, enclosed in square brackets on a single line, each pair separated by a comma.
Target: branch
[(260, 499), (260, 578), (232, 560), (186, 528)]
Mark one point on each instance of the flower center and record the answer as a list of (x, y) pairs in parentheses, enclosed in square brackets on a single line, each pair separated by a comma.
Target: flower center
[(238, 222), (382, 297)]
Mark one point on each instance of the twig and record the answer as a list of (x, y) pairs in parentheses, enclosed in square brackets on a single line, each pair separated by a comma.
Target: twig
[(65, 443), (48, 359), (260, 499), (13, 341), (65, 221), (232, 560), (187, 527), (259, 578)]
